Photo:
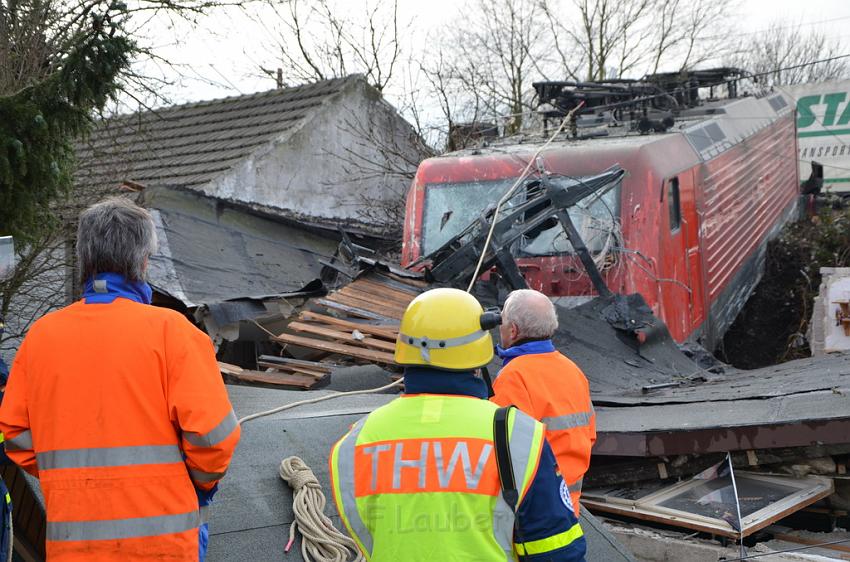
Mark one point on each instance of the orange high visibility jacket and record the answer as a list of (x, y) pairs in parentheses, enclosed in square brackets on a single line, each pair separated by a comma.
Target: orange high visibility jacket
[(552, 389), (120, 410)]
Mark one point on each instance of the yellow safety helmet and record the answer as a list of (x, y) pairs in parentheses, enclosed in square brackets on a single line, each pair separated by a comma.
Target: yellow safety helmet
[(443, 328)]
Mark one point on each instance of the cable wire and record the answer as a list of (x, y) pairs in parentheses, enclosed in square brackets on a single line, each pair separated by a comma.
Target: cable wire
[(775, 552), (512, 190), (250, 417)]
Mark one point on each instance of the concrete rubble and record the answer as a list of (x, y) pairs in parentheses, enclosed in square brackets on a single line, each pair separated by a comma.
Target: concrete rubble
[(830, 324)]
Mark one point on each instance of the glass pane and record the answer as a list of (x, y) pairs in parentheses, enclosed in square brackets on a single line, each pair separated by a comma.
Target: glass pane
[(451, 207), (715, 498), (597, 220)]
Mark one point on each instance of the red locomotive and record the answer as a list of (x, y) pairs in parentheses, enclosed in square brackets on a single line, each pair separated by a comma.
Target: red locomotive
[(706, 185)]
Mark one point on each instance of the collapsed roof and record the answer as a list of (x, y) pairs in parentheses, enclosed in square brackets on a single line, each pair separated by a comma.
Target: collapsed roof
[(211, 253)]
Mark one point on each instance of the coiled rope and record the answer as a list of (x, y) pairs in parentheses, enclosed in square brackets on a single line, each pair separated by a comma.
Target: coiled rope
[(320, 540)]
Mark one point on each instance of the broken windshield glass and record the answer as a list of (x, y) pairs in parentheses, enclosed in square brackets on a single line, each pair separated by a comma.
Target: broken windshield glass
[(596, 218), (451, 207)]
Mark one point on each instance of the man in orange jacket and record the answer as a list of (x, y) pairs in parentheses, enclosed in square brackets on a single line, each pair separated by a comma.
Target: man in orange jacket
[(118, 408), (543, 383)]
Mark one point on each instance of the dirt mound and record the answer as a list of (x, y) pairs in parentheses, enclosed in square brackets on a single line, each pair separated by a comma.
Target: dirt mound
[(772, 326)]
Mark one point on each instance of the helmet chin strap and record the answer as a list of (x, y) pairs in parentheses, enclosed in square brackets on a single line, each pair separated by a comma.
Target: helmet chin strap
[(425, 345)]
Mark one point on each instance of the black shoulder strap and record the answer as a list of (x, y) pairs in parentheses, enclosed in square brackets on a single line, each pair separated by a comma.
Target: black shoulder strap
[(485, 374), (503, 457)]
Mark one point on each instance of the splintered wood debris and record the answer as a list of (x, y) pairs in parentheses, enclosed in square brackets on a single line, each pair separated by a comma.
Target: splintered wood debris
[(358, 322), (282, 377)]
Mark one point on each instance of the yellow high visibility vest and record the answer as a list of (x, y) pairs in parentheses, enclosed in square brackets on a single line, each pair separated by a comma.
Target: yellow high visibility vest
[(417, 479)]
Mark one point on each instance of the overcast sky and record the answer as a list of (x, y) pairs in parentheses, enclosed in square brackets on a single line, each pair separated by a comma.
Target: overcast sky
[(220, 56)]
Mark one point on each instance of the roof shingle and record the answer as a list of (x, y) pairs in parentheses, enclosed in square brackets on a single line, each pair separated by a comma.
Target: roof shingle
[(189, 145)]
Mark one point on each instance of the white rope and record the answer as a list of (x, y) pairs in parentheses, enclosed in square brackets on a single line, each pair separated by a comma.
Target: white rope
[(511, 191), (320, 540), (320, 399)]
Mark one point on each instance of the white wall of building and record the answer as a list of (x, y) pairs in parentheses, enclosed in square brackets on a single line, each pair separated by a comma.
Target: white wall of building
[(350, 155)]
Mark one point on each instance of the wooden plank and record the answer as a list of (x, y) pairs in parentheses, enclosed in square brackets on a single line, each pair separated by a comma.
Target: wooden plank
[(379, 300), (344, 337), (342, 349), (273, 379), (376, 292), (293, 369), (378, 331), (387, 311), (368, 298), (625, 511), (402, 292), (315, 365), (408, 282), (354, 311), (385, 287), (228, 369)]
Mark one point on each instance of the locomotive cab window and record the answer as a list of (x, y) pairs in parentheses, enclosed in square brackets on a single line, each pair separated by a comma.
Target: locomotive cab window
[(674, 204)]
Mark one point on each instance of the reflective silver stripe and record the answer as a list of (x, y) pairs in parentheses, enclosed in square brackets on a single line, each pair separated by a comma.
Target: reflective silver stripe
[(569, 421), (399, 463), (109, 456), (461, 453), (216, 435), (575, 487), (503, 527), (375, 451), (522, 436), (112, 529), (201, 476), (205, 514), (22, 441), (345, 469), (425, 344)]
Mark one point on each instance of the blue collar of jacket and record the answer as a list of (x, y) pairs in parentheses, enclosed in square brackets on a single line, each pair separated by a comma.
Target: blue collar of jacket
[(104, 288), (527, 348), (427, 380)]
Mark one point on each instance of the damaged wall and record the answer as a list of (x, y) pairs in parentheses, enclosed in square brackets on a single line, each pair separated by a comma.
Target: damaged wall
[(352, 157)]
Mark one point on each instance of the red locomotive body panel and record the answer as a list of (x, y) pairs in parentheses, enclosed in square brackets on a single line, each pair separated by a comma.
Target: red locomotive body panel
[(694, 211)]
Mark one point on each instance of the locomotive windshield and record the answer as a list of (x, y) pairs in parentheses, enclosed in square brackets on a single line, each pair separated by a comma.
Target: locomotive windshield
[(450, 207)]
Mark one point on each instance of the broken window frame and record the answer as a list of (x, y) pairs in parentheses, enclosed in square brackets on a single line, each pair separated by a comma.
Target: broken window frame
[(649, 508), (583, 218)]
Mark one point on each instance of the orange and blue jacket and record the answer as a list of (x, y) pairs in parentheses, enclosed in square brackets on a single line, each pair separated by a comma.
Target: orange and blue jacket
[(120, 410), (544, 384)]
